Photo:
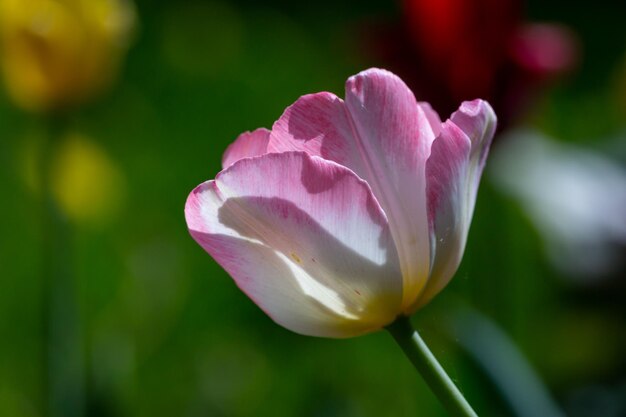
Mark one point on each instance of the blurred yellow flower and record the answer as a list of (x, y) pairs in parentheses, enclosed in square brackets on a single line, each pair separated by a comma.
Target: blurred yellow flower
[(86, 183), (58, 53)]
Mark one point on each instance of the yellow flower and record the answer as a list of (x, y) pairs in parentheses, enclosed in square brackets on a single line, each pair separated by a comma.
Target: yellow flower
[(59, 53), (86, 183)]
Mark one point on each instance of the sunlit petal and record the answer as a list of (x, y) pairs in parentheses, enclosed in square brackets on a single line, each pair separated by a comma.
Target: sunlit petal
[(394, 140), (305, 239)]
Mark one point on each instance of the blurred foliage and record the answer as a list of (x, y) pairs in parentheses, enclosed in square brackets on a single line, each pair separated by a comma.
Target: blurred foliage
[(163, 331)]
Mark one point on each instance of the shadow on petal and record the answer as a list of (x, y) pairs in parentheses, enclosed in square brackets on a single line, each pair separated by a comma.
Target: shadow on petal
[(302, 275)]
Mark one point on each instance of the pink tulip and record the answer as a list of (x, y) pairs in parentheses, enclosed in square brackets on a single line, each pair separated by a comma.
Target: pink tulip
[(348, 213)]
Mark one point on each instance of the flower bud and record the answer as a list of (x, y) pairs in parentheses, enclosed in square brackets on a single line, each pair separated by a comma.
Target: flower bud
[(60, 53)]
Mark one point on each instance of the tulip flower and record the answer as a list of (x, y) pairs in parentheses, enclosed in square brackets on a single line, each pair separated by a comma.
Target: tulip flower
[(59, 53), (349, 213)]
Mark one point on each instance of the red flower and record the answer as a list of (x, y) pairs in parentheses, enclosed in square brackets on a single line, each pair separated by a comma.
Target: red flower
[(454, 50)]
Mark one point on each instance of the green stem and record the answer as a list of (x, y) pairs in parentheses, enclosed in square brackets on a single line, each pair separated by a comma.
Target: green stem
[(432, 372)]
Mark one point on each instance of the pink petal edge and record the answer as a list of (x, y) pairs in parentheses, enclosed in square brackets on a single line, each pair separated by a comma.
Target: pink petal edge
[(248, 144)]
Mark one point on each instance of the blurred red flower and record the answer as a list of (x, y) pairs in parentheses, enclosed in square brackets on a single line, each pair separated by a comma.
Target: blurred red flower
[(454, 50)]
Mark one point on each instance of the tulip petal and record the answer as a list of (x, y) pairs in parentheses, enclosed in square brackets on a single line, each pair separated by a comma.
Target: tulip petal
[(432, 116), (383, 135), (316, 124), (305, 239), (395, 141), (453, 173), (247, 145)]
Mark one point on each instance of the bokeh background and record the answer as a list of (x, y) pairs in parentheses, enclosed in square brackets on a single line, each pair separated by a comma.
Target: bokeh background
[(109, 308)]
